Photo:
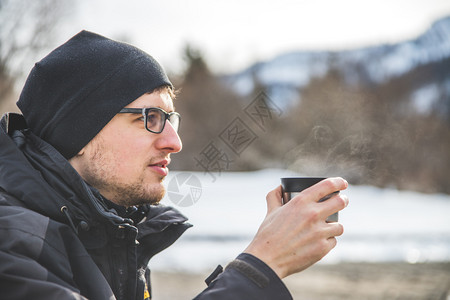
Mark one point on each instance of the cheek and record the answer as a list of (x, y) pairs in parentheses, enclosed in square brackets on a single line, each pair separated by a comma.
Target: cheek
[(125, 150), (131, 154)]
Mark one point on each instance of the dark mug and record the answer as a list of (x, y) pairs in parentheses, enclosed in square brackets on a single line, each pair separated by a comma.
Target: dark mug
[(292, 186)]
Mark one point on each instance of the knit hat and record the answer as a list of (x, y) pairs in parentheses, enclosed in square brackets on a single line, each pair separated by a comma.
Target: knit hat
[(73, 92)]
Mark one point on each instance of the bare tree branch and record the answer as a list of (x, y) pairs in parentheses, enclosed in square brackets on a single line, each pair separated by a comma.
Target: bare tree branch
[(26, 27)]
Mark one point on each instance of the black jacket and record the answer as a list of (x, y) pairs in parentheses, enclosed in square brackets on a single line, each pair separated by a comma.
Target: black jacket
[(60, 239)]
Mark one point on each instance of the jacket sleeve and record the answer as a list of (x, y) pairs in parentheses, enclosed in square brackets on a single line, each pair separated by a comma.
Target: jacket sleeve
[(246, 278), (23, 278), (33, 263), (22, 273)]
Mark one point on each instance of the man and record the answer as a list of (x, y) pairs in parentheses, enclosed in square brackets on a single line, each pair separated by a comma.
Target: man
[(81, 176)]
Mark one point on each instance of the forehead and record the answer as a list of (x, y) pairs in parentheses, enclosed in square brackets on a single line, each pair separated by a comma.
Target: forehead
[(161, 99)]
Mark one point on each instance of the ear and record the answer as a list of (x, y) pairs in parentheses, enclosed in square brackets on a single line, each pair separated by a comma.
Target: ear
[(73, 160), (81, 152), (77, 161)]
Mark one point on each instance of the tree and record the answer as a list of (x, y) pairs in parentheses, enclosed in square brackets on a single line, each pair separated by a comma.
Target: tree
[(26, 29), (206, 107)]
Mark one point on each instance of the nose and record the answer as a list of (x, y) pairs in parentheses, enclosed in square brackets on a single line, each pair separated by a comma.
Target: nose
[(169, 140)]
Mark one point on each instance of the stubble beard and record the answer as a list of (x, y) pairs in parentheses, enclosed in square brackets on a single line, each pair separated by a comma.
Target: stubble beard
[(102, 175)]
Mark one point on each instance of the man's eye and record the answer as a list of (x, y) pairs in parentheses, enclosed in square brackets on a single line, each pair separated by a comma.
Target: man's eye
[(151, 118)]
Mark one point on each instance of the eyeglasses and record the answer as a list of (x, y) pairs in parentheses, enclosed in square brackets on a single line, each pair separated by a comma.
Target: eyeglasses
[(155, 118)]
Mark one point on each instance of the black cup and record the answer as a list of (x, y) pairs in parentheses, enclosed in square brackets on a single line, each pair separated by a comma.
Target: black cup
[(294, 185)]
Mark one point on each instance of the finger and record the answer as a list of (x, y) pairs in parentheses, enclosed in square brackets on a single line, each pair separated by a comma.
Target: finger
[(273, 199), (335, 229), (332, 185), (336, 203), (326, 187), (332, 242)]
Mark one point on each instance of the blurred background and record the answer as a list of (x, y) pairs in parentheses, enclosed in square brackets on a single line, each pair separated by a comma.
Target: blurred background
[(359, 89)]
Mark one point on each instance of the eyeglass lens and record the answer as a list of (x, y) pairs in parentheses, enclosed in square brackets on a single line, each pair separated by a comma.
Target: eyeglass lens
[(174, 119), (156, 120)]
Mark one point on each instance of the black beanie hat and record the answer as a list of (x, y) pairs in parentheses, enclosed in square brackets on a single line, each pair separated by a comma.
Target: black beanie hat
[(73, 92)]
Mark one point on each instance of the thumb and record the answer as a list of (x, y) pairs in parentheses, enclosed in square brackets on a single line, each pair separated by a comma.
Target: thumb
[(273, 199)]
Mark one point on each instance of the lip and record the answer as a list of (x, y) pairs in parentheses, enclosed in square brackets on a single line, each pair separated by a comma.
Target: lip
[(161, 167)]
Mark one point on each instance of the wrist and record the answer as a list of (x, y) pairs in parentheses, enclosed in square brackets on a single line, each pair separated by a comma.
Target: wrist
[(270, 263)]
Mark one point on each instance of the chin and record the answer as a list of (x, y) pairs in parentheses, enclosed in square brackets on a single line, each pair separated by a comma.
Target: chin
[(156, 194)]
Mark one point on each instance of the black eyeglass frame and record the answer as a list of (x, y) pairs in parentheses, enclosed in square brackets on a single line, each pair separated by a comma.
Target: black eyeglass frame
[(144, 112)]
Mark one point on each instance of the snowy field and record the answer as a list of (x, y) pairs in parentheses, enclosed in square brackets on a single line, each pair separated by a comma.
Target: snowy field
[(381, 225)]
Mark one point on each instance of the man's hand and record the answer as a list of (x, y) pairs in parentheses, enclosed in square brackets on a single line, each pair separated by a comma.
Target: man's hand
[(296, 235)]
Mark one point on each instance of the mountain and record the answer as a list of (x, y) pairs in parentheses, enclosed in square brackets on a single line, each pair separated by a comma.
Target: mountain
[(376, 115), (288, 73)]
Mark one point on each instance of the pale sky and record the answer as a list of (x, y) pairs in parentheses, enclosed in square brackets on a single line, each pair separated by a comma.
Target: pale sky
[(233, 34)]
